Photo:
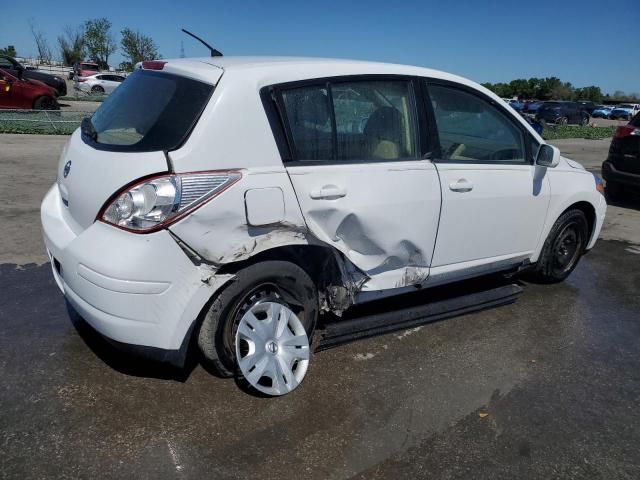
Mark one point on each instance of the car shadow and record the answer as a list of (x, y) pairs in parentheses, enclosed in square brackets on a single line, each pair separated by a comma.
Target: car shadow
[(126, 362)]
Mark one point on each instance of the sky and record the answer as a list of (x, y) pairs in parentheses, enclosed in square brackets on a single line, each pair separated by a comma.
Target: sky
[(585, 42)]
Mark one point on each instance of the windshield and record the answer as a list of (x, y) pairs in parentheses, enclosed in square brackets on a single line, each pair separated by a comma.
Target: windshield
[(150, 111)]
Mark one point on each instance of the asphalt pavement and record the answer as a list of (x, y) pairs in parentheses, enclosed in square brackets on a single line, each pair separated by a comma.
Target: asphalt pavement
[(547, 387)]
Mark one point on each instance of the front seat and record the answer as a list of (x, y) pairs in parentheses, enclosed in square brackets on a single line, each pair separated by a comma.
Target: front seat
[(384, 134)]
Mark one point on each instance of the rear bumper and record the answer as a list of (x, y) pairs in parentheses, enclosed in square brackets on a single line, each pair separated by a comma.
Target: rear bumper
[(140, 290), (611, 174)]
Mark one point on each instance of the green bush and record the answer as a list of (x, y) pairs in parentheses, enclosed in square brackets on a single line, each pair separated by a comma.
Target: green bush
[(571, 131)]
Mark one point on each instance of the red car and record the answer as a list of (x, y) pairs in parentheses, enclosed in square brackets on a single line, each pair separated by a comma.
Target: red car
[(84, 69), (26, 93)]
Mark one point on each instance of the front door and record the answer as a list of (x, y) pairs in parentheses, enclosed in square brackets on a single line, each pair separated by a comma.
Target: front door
[(494, 200), (359, 178)]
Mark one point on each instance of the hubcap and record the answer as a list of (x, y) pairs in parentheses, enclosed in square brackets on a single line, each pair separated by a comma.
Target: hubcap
[(272, 348)]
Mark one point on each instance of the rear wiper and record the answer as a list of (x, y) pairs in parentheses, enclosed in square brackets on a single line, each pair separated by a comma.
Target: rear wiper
[(88, 129)]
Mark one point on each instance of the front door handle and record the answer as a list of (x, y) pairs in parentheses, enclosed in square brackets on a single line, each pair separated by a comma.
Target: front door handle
[(462, 185), (328, 192)]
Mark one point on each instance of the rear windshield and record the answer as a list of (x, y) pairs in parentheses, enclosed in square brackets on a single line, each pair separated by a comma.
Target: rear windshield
[(150, 111)]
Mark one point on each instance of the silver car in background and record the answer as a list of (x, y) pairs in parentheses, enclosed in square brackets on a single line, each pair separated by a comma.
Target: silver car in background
[(101, 83)]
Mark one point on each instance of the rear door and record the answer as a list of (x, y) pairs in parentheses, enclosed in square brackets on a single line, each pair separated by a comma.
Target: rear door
[(494, 200), (359, 177)]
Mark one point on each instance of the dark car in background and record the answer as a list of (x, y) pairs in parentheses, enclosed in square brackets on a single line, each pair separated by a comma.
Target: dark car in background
[(621, 169), (562, 113), (15, 68), (587, 106)]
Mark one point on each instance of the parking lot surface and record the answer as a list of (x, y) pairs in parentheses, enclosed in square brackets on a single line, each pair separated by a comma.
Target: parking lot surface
[(547, 387)]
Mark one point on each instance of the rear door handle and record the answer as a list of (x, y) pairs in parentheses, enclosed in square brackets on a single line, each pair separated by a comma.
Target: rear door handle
[(328, 192), (462, 185)]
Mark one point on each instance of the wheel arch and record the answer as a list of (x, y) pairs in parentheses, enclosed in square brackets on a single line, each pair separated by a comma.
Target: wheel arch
[(323, 264), (579, 202), (589, 211)]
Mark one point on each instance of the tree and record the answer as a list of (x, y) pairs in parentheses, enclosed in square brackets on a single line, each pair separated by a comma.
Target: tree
[(99, 41), (10, 50), (71, 44), (591, 93), (44, 52), (137, 47)]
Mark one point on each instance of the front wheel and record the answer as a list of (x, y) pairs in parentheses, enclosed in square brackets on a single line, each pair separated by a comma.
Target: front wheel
[(562, 121), (258, 328), (563, 248), (97, 89), (584, 122)]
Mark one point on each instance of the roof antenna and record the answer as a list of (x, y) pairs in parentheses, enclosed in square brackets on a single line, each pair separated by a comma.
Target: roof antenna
[(214, 52)]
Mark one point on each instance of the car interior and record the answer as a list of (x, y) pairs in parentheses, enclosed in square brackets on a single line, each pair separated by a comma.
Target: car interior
[(369, 125)]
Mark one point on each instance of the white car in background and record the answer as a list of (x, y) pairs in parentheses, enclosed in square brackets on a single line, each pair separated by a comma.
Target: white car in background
[(241, 202), (101, 83)]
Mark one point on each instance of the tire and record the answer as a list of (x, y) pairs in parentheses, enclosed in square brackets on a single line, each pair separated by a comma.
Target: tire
[(273, 282), (45, 103), (560, 254), (97, 89), (584, 122), (562, 121)]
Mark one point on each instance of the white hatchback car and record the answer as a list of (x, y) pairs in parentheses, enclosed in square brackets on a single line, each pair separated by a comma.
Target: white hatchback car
[(235, 200)]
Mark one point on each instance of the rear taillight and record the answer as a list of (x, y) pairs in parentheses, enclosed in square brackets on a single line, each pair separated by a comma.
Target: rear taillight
[(153, 65), (626, 131), (159, 201)]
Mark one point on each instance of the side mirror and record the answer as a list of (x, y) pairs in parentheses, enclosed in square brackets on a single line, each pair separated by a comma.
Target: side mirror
[(548, 156)]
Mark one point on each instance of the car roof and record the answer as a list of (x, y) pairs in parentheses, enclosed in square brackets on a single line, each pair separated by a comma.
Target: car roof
[(268, 70), (264, 71)]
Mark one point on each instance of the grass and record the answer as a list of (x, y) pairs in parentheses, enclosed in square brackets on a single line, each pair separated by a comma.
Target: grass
[(571, 131), (52, 122), (86, 98)]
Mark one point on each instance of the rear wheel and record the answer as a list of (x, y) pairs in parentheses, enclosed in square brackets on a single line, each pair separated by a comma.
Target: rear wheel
[(97, 89), (45, 103), (259, 327), (563, 248), (584, 122), (562, 121)]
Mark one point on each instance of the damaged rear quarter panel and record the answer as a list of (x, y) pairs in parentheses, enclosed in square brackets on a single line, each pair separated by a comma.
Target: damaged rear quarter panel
[(219, 232)]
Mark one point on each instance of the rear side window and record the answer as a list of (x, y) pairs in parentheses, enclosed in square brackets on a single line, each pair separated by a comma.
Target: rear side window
[(352, 121), (151, 111), (473, 130)]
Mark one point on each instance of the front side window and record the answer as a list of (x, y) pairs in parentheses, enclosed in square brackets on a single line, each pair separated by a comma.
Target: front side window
[(352, 121), (473, 130)]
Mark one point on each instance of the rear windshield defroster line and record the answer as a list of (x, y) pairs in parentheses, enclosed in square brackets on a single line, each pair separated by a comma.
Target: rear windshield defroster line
[(149, 111)]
